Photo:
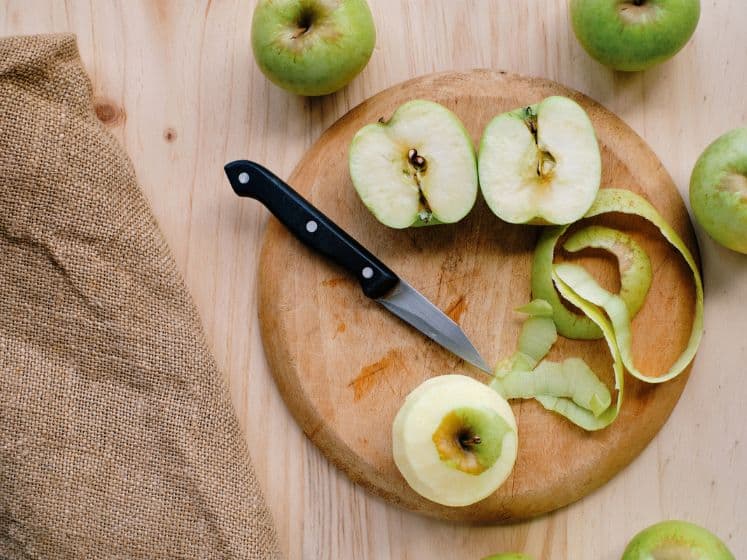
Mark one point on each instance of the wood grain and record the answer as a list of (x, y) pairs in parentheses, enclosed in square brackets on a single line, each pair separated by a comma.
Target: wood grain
[(344, 365), (187, 67)]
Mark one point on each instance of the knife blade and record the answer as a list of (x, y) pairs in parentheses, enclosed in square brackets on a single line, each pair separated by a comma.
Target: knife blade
[(378, 282)]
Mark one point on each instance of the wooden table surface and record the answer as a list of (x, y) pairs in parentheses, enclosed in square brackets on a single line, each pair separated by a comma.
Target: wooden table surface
[(177, 85)]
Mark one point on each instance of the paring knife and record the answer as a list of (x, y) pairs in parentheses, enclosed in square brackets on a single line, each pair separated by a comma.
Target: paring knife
[(378, 282)]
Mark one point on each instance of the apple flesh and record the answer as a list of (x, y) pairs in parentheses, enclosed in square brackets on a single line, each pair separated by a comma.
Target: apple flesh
[(312, 47), (418, 168), (632, 35), (454, 440), (540, 164), (676, 540), (718, 190)]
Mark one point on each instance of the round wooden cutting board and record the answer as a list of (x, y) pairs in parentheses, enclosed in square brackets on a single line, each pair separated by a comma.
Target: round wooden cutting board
[(344, 365)]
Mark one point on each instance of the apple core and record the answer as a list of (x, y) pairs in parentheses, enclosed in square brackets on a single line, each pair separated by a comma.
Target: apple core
[(460, 444)]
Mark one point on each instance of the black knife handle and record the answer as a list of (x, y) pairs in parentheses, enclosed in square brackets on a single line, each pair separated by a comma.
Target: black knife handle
[(310, 225)]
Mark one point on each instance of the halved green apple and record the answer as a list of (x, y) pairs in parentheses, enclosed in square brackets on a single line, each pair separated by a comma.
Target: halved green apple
[(540, 164), (454, 440), (417, 168)]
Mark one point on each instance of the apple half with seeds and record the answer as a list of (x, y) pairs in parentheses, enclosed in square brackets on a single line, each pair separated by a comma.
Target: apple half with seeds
[(454, 440), (540, 164), (417, 168)]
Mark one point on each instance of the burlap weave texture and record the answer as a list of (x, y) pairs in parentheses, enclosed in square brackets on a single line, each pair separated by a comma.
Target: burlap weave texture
[(117, 435)]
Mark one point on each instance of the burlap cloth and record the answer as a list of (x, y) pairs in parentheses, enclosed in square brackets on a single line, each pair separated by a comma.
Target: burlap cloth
[(117, 435)]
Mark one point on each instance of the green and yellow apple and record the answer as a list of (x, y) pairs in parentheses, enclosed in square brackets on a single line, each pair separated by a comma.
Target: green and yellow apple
[(454, 440), (718, 190), (312, 47), (633, 35), (417, 168), (540, 164), (676, 540)]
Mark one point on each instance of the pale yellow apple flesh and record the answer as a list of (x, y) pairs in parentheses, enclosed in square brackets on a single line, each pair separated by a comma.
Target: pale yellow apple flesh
[(454, 440)]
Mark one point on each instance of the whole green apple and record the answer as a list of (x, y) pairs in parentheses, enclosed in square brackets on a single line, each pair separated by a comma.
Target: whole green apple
[(633, 35), (718, 190), (676, 540), (312, 47)]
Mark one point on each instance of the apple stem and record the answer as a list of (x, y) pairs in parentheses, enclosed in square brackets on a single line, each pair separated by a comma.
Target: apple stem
[(639, 2), (472, 440), (530, 118), (305, 20), (420, 164)]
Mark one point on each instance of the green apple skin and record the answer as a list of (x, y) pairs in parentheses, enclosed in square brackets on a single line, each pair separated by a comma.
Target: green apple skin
[(312, 47), (676, 540), (633, 35), (718, 190)]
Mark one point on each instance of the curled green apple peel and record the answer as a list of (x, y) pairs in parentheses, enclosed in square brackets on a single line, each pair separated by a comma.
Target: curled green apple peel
[(582, 284), (539, 332), (635, 270), (634, 266), (633, 262), (571, 388), (585, 417)]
